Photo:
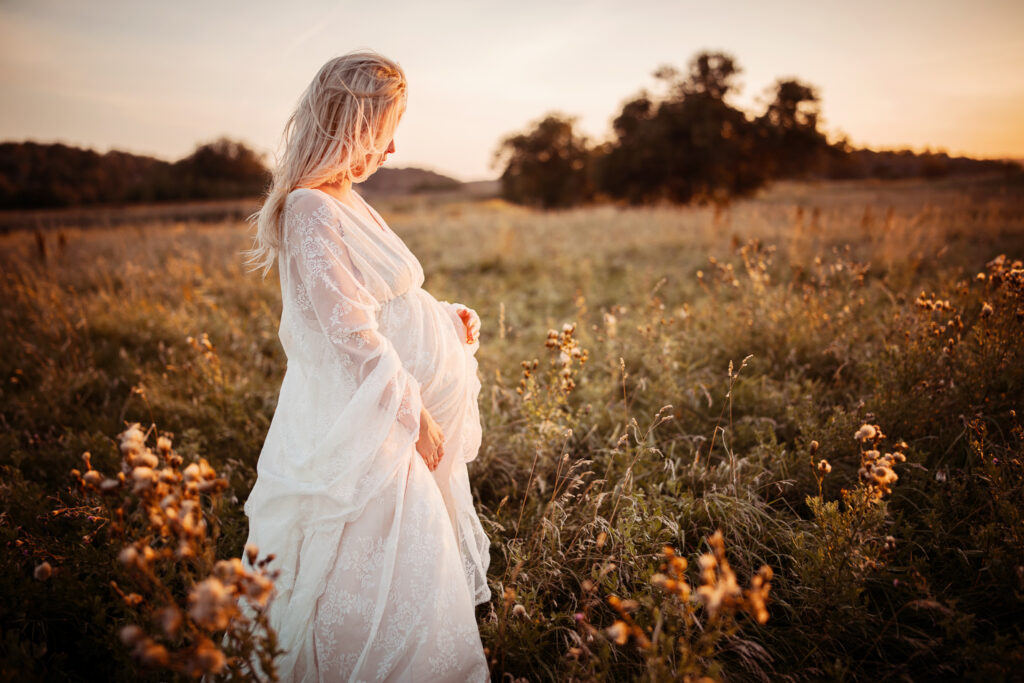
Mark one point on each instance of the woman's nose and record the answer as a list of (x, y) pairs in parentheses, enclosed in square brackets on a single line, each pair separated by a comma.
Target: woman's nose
[(391, 147)]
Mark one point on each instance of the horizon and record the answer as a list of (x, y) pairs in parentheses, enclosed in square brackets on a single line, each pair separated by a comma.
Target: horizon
[(159, 81)]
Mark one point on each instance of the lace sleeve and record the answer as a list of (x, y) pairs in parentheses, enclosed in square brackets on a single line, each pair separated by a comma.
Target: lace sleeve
[(346, 311)]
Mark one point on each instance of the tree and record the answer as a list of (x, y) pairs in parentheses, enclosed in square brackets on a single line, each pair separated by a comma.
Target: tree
[(687, 145), (710, 73), (547, 165), (794, 145), (222, 168)]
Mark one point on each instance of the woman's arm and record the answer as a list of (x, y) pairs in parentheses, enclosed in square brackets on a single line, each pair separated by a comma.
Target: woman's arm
[(347, 314)]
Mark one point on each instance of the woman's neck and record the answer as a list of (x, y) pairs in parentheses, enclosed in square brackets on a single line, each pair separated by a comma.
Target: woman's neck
[(341, 189)]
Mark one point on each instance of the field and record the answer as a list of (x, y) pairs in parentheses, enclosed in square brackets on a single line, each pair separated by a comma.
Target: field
[(709, 371)]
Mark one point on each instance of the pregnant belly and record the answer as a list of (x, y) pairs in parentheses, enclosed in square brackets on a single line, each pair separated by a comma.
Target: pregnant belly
[(431, 349)]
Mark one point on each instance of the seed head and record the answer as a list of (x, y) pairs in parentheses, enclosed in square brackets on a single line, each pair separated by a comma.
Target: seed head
[(43, 571), (865, 433)]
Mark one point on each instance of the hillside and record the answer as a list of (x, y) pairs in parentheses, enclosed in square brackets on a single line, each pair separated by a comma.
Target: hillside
[(408, 181)]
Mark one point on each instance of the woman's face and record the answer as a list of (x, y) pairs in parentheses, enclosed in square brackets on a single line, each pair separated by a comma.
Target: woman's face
[(375, 161)]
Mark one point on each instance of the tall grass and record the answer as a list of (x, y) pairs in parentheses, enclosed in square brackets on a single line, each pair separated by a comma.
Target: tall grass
[(669, 475)]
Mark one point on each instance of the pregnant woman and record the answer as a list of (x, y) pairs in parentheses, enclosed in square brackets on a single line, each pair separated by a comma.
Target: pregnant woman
[(362, 490)]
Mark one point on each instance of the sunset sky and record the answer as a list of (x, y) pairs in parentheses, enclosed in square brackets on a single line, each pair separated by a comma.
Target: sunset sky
[(158, 78)]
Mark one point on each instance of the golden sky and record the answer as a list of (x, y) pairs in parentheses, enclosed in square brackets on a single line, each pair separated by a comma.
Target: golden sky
[(158, 78)]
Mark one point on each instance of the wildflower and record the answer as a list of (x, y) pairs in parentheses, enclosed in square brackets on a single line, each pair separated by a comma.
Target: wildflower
[(259, 590), (814, 448), (876, 471), (205, 471), (146, 459), (986, 309), (824, 467), (628, 605), (719, 587), (154, 654), (602, 538), (229, 570), (519, 611), (618, 632), (757, 595), (109, 485), (43, 571), (163, 444), (129, 557), (144, 477), (191, 472), (170, 620), (252, 551), (865, 433), (208, 604), (92, 478), (131, 634), (133, 440), (184, 550), (207, 658)]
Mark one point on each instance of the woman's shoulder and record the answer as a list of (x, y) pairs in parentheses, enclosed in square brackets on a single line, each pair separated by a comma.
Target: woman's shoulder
[(306, 200), (306, 207)]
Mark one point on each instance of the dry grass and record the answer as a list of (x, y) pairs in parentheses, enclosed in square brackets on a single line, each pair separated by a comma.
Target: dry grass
[(656, 434)]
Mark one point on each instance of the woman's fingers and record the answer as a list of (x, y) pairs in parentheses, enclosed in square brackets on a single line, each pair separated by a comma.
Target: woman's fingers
[(471, 321)]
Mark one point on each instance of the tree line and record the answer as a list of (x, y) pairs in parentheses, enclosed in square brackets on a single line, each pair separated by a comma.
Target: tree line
[(689, 144), (34, 175)]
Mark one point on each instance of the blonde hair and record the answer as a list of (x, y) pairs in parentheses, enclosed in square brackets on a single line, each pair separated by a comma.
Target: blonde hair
[(343, 116)]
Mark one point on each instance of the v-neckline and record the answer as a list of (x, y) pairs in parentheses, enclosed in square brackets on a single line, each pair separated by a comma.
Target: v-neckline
[(366, 205)]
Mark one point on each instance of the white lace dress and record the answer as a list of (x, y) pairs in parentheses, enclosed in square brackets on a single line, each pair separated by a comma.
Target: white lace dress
[(381, 560)]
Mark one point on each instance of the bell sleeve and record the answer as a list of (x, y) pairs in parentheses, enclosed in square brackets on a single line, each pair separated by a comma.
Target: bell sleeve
[(346, 313)]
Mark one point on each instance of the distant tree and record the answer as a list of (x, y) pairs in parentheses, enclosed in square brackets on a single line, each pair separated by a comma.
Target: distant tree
[(712, 74), (34, 175), (547, 166), (794, 147), (222, 168), (690, 144)]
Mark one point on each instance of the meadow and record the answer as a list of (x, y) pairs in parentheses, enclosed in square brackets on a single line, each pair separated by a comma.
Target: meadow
[(775, 440)]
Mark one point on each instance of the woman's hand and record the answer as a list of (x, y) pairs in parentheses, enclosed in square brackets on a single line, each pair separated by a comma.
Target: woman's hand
[(430, 445), (471, 321)]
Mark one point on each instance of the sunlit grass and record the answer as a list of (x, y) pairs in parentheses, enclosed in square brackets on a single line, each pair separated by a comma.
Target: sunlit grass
[(659, 385)]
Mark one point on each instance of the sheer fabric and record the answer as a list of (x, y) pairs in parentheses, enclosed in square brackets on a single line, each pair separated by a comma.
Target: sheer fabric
[(381, 560)]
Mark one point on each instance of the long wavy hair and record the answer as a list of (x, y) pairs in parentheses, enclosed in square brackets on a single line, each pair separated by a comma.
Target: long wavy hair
[(347, 113)]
